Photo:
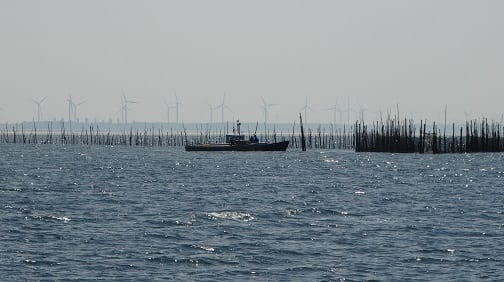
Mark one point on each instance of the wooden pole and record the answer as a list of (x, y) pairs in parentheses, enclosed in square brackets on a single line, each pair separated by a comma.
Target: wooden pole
[(303, 140)]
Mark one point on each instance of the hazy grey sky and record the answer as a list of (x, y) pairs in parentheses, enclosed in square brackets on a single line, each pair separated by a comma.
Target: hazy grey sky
[(422, 55)]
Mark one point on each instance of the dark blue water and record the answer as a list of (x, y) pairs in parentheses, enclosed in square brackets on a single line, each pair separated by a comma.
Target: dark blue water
[(134, 213)]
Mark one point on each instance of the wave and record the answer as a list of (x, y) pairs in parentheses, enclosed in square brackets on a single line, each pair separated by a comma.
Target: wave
[(232, 215)]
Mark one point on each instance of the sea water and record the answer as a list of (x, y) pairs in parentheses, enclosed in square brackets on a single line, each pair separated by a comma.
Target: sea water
[(160, 213)]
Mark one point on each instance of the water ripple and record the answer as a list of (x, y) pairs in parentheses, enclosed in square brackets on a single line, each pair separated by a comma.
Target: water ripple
[(147, 213)]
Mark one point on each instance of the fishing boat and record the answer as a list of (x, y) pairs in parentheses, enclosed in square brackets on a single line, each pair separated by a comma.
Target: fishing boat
[(237, 142)]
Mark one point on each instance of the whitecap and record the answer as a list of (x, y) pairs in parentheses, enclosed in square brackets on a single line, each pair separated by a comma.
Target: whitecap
[(233, 215), (62, 218), (30, 261), (206, 248)]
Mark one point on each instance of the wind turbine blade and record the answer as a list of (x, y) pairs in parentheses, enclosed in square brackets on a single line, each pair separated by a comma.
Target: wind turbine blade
[(175, 92), (264, 102)]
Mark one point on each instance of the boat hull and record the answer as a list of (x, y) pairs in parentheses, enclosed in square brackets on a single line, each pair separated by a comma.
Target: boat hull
[(279, 146)]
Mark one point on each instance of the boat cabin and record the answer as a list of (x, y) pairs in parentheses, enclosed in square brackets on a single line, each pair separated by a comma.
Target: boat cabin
[(233, 138)]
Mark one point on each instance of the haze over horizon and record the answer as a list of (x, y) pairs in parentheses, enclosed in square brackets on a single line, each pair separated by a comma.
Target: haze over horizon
[(369, 56)]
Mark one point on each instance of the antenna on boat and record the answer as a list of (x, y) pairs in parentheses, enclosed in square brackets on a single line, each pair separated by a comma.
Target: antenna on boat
[(238, 124)]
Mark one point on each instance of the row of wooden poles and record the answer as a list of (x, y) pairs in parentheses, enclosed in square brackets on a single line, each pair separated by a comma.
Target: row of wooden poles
[(393, 135), (320, 138), (401, 136)]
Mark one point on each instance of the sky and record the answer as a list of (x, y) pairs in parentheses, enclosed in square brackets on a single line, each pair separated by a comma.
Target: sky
[(343, 59)]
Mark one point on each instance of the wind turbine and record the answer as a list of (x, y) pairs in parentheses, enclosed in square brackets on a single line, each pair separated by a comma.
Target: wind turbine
[(335, 109), (347, 110), (361, 112), (70, 110), (266, 111), (177, 105), (121, 109), (306, 108), (75, 107), (125, 108), (211, 109), (223, 106), (39, 106), (168, 107)]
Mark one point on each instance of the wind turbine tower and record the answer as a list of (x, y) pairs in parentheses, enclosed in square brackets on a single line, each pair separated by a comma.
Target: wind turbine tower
[(168, 107), (70, 110), (362, 111), (125, 108), (335, 109), (75, 107), (177, 106), (348, 110), (306, 108), (211, 109), (223, 106), (266, 107)]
